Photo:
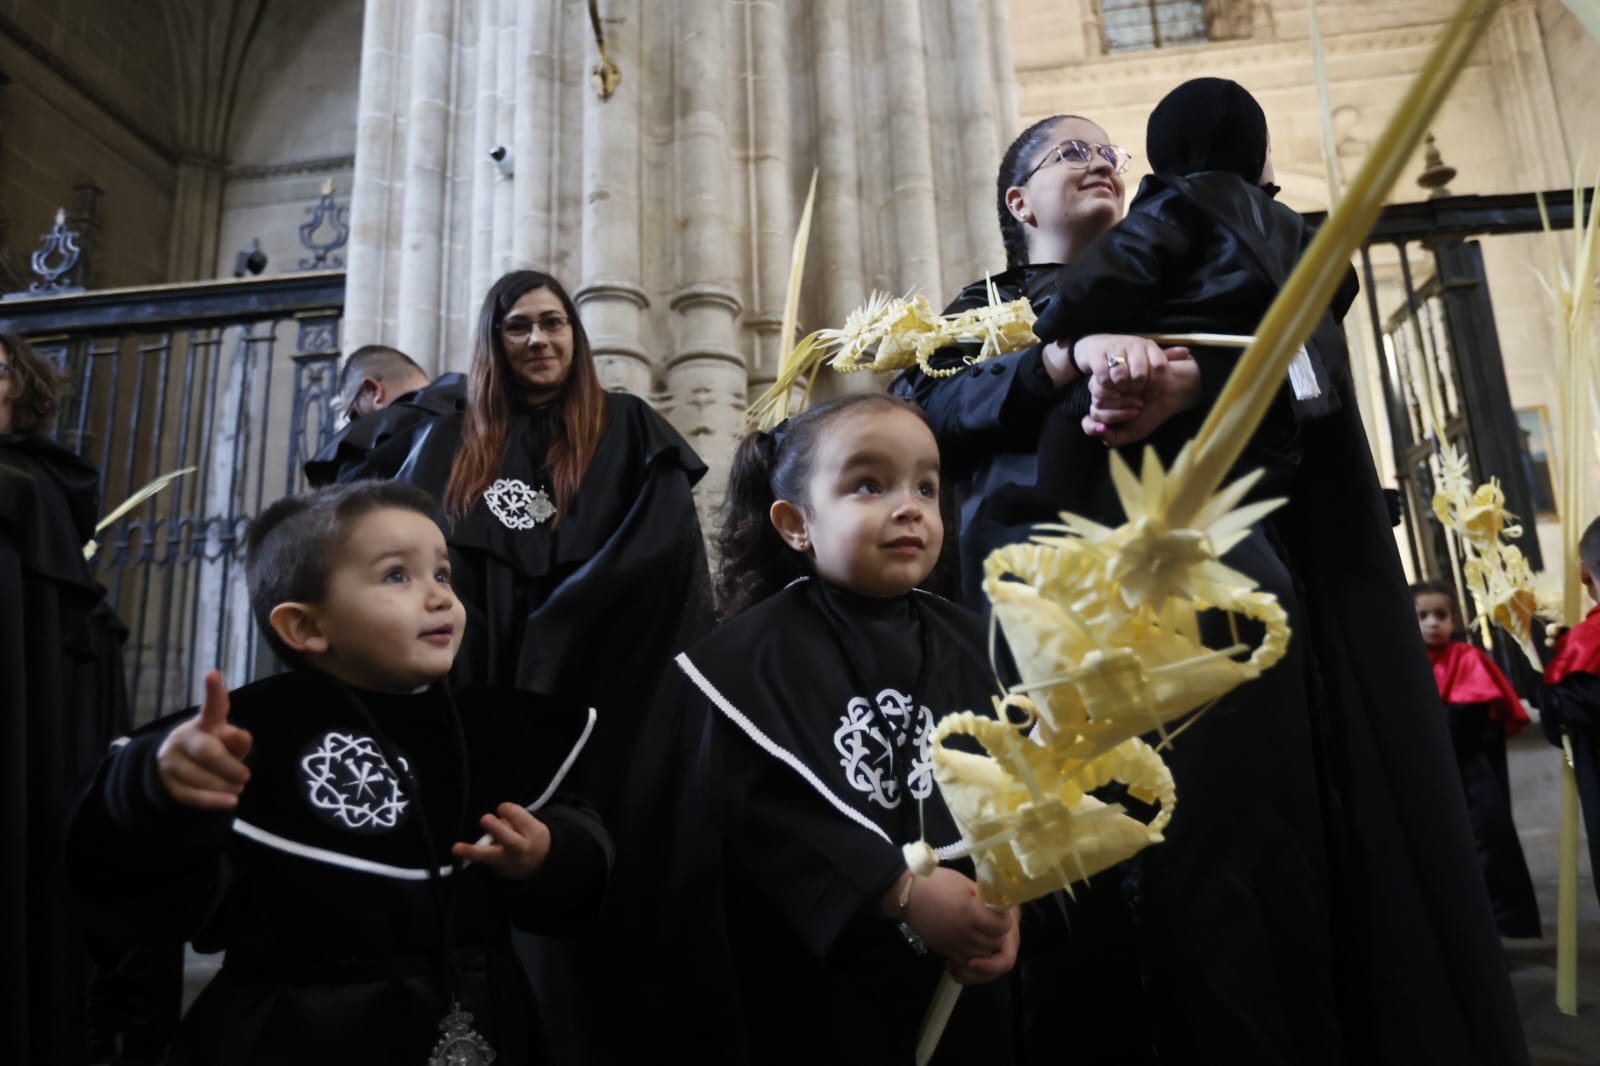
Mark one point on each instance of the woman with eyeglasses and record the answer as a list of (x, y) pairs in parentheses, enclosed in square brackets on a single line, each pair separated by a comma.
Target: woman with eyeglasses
[(1314, 899), (573, 534), (576, 549), (1009, 429)]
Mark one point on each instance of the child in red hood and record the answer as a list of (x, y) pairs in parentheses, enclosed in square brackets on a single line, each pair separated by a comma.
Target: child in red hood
[(1482, 710)]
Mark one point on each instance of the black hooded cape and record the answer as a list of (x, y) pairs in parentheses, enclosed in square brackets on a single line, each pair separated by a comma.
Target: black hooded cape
[(62, 700), (316, 885)]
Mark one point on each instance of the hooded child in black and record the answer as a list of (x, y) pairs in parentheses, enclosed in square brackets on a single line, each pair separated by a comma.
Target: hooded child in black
[(314, 824)]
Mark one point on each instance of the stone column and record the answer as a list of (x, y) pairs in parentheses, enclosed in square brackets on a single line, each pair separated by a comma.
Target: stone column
[(374, 206), (910, 173), (538, 59), (422, 221), (1521, 72), (507, 74), (706, 375), (196, 218), (485, 176), (612, 296), (836, 225), (1003, 71), (773, 211), (974, 135)]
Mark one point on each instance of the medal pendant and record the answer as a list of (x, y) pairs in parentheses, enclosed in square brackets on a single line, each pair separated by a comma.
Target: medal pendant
[(517, 504), (460, 1044)]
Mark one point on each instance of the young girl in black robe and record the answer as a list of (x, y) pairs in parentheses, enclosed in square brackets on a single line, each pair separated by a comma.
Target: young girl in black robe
[(315, 824), (823, 691), (1481, 710)]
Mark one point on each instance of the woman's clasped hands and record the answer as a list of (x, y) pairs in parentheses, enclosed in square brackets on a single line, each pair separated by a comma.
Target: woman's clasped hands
[(1134, 385)]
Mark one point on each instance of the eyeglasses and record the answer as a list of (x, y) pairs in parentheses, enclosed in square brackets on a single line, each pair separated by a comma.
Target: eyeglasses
[(1080, 154), (520, 329)]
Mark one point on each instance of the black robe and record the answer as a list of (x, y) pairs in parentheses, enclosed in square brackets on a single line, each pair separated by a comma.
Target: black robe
[(344, 457), (62, 700), (316, 885), (1331, 775), (551, 608), (1569, 704), (589, 610), (812, 793)]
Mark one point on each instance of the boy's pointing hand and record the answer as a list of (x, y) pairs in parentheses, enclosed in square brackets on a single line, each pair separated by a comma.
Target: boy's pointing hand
[(201, 763)]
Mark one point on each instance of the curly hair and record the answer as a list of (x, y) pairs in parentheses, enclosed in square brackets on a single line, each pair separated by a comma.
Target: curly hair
[(35, 386), (756, 562)]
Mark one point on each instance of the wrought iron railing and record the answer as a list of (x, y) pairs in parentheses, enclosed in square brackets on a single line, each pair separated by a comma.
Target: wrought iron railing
[(231, 378), (1439, 339)]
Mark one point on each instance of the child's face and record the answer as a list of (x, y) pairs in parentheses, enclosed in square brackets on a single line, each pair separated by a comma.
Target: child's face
[(390, 620), (1436, 616), (871, 515)]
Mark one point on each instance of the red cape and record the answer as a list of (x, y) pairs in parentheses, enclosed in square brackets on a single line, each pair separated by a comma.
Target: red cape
[(1577, 651), (1465, 674)]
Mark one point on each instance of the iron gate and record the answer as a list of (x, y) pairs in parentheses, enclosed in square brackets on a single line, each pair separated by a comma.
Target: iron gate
[(189, 376)]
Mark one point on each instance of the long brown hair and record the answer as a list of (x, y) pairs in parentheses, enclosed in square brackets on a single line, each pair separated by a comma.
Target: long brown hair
[(577, 414)]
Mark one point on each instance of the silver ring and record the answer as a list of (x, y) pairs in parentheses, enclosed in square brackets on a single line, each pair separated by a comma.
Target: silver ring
[(1114, 361)]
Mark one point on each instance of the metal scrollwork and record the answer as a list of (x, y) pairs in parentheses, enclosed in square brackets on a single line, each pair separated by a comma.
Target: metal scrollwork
[(55, 258), (325, 213)]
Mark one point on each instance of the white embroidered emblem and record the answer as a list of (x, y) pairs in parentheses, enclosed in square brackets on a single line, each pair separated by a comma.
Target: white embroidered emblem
[(868, 756), (518, 504), (348, 778)]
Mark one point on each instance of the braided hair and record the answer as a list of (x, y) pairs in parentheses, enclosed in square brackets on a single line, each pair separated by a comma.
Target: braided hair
[(1013, 165)]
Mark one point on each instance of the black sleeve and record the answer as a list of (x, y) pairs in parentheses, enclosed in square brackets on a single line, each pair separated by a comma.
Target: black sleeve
[(819, 869), (142, 866), (1121, 275), (1001, 396), (1573, 704), (566, 893), (1004, 396)]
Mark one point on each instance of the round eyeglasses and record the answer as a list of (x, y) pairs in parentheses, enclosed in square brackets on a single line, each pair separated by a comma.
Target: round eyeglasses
[(520, 329), (1080, 154)]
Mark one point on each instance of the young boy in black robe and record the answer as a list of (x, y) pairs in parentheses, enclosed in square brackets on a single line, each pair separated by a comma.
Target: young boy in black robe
[(1569, 698), (315, 824)]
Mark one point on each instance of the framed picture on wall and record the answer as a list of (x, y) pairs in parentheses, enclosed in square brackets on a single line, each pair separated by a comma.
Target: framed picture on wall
[(1533, 425)]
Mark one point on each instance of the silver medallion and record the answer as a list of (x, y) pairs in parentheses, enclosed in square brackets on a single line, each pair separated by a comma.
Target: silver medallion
[(517, 504), (460, 1044)]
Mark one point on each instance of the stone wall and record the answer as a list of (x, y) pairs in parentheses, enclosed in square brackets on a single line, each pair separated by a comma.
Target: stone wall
[(293, 128), (86, 106)]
